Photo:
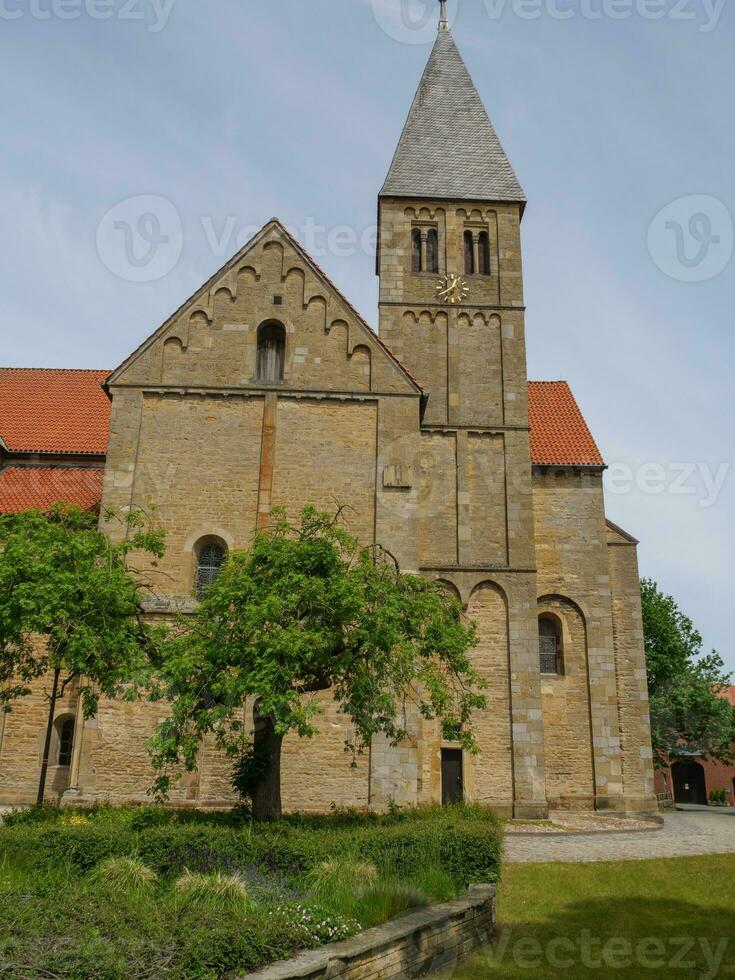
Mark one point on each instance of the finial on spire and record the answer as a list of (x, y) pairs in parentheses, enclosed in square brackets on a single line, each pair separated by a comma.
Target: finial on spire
[(443, 22)]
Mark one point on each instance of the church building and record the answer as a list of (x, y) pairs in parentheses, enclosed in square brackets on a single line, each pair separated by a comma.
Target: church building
[(267, 389)]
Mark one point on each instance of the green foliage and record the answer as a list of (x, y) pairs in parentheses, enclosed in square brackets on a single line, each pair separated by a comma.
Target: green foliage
[(126, 873), (248, 769), (322, 874), (215, 889), (689, 715), (308, 610), (64, 581), (718, 796), (464, 842)]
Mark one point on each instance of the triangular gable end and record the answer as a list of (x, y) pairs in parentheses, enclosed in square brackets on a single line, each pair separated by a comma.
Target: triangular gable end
[(202, 301)]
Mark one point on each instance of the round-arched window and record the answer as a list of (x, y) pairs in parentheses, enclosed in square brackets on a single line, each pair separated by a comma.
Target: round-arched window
[(550, 647), (211, 556), (271, 351)]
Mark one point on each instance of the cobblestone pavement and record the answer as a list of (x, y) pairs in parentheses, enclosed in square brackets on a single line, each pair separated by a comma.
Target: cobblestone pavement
[(684, 833)]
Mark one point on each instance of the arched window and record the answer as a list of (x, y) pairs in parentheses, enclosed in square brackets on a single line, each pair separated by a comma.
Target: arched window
[(416, 250), (484, 254), (271, 351), (550, 646), (469, 254), (66, 741), (432, 250), (210, 559)]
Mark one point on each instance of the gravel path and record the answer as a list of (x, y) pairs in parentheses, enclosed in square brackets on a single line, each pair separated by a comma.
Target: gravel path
[(684, 833)]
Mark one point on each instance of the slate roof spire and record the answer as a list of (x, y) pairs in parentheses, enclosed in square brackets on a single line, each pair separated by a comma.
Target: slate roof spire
[(443, 22), (448, 148)]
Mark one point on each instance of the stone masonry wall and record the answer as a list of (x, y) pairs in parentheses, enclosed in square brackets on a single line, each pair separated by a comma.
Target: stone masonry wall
[(411, 945)]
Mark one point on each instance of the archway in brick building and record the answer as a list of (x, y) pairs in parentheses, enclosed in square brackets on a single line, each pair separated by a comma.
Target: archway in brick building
[(690, 785)]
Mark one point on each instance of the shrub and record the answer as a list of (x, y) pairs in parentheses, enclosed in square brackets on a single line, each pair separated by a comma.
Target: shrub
[(126, 872), (464, 842), (218, 890)]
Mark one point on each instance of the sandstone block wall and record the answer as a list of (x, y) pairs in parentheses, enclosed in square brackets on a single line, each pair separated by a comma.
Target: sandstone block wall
[(412, 945)]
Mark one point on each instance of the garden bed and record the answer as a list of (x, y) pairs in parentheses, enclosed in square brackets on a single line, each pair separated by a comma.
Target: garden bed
[(144, 892)]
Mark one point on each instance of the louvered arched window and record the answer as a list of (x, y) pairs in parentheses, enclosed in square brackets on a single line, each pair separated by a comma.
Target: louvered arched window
[(271, 351), (469, 254), (483, 253), (432, 250), (416, 250)]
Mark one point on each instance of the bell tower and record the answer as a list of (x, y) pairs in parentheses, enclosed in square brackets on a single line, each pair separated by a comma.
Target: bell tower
[(449, 256), (452, 309)]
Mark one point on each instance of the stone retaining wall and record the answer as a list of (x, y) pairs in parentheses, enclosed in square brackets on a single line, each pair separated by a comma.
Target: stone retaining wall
[(410, 946)]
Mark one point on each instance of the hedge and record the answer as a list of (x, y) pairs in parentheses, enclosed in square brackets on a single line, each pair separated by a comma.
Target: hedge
[(468, 848)]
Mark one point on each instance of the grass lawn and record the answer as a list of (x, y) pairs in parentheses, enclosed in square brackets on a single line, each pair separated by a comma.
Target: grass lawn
[(630, 919)]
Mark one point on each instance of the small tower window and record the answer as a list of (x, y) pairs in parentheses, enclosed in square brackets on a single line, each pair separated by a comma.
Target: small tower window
[(271, 352), (432, 250), (210, 559), (416, 250), (469, 254), (484, 254), (550, 647), (66, 741)]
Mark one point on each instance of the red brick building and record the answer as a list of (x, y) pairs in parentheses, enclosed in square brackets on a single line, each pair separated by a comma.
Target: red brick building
[(692, 780)]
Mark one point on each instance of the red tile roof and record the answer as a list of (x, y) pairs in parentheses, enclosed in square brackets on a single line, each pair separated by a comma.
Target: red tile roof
[(66, 412), (50, 411), (729, 695), (559, 433), (39, 488)]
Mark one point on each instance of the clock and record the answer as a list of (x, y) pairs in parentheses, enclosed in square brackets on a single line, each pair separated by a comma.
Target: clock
[(452, 289)]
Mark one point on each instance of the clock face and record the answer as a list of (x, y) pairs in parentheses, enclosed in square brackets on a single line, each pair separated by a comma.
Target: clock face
[(452, 289)]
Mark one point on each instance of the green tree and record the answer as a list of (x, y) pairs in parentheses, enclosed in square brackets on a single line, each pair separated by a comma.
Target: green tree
[(307, 610), (70, 604), (689, 714)]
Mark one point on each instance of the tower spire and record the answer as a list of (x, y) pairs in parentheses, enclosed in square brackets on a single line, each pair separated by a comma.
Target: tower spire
[(443, 22)]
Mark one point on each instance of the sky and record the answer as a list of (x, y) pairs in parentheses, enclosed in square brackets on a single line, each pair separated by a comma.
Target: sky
[(143, 141)]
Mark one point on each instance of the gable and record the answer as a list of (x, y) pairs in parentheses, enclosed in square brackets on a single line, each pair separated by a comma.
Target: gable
[(211, 341)]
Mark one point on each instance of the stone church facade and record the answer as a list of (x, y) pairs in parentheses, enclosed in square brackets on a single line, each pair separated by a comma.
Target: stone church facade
[(267, 389)]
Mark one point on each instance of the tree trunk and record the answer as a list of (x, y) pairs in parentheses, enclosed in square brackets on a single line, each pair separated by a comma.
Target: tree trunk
[(47, 742), (266, 792)]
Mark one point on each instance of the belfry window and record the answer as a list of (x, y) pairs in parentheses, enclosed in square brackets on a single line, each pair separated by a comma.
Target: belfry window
[(424, 250), (416, 250), (211, 557), (483, 253), (432, 250), (271, 352), (66, 741), (550, 646), (469, 254)]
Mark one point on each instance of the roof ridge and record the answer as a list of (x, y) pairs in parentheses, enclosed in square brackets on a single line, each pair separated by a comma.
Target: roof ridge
[(55, 370)]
